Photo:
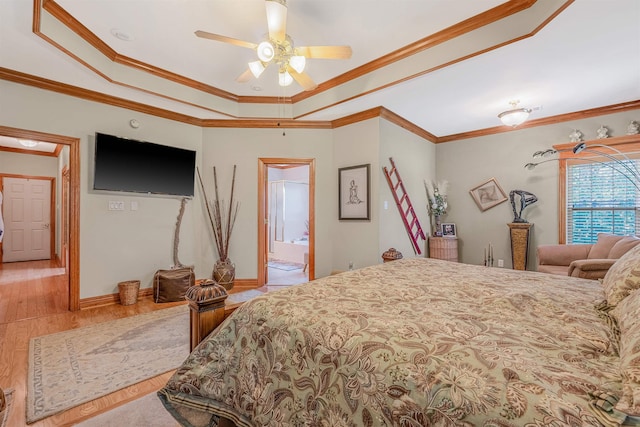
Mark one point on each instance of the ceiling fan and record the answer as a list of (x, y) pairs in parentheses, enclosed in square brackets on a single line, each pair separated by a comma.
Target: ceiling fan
[(278, 49)]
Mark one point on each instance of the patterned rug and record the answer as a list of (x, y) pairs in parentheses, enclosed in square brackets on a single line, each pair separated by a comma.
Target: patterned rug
[(72, 367), (284, 265)]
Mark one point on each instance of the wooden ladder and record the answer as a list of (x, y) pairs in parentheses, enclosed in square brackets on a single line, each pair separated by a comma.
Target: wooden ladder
[(404, 205)]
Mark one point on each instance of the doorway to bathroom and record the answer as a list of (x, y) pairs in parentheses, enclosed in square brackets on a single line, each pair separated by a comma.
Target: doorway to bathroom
[(286, 237)]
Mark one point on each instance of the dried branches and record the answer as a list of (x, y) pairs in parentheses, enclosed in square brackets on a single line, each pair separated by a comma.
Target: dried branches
[(221, 227)]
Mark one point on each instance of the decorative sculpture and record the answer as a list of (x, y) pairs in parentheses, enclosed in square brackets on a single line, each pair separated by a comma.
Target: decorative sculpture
[(633, 128), (575, 136), (526, 199), (176, 236), (602, 132)]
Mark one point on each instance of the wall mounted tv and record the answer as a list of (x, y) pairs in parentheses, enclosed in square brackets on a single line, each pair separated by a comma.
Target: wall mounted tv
[(142, 167)]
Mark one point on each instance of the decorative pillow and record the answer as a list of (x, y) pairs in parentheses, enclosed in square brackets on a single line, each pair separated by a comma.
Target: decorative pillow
[(623, 246), (623, 277), (602, 247), (628, 315)]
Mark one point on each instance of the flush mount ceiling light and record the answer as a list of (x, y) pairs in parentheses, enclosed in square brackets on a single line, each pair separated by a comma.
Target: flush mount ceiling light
[(277, 48), (516, 116), (28, 143)]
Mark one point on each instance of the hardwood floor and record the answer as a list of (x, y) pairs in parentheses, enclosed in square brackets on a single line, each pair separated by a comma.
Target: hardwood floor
[(33, 302)]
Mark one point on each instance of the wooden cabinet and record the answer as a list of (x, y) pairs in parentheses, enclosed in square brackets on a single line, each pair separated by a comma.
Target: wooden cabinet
[(445, 248)]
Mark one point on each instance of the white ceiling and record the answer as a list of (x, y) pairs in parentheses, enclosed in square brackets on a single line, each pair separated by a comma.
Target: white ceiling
[(587, 57)]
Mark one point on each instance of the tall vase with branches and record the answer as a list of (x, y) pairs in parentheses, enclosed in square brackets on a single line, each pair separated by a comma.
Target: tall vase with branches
[(222, 222)]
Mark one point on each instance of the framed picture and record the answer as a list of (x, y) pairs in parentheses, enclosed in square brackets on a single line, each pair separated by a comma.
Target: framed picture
[(353, 192), (488, 194), (448, 229)]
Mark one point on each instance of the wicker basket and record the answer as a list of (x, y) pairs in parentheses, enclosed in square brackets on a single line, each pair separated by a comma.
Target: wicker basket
[(129, 291)]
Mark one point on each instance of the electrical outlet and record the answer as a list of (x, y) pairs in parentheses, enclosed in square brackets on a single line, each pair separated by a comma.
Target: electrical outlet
[(116, 205), (500, 263)]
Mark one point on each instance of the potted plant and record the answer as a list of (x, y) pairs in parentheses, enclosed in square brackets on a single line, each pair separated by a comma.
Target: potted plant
[(222, 222)]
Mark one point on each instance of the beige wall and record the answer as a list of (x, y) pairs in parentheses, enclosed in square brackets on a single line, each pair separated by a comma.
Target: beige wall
[(26, 164), (223, 148), (356, 241), (470, 162), (118, 246), (415, 159), (121, 245)]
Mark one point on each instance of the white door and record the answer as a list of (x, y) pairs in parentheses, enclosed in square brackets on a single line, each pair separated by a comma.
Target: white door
[(26, 212)]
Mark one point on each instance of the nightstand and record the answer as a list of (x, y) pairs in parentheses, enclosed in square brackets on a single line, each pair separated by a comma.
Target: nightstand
[(445, 248)]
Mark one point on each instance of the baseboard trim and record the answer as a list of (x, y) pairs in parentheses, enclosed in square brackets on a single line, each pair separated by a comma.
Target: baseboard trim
[(239, 285), (110, 299)]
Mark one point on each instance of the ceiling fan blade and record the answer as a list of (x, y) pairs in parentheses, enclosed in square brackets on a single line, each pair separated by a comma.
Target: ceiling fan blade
[(245, 77), (303, 79), (277, 19), (325, 52), (225, 39)]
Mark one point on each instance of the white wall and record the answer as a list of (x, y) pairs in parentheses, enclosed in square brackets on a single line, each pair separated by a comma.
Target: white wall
[(470, 162), (295, 204)]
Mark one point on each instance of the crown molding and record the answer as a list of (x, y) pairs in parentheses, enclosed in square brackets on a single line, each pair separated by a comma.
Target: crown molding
[(417, 59), (577, 115), (376, 112)]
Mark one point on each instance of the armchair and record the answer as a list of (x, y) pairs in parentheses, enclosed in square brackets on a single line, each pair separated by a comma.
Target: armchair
[(588, 261)]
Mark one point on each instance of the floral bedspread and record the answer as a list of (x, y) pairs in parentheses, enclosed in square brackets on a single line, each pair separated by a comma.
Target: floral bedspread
[(413, 342)]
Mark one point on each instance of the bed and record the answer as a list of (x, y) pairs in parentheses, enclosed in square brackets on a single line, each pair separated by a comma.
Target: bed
[(420, 342)]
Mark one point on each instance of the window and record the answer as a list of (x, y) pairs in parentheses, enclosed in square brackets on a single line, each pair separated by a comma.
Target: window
[(600, 199)]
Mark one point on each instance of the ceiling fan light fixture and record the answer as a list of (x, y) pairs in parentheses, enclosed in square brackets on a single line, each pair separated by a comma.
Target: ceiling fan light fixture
[(298, 62), (266, 51), (28, 143), (284, 78), (515, 116), (257, 68)]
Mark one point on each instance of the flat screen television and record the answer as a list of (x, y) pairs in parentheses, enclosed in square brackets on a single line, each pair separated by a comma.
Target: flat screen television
[(142, 167)]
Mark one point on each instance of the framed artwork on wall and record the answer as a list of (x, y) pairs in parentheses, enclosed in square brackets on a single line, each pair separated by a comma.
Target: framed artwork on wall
[(448, 229), (353, 193), (488, 194)]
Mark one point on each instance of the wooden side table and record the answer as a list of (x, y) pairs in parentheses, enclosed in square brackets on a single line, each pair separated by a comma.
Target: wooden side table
[(445, 248)]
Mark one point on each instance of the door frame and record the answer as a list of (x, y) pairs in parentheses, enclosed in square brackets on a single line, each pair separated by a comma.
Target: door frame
[(64, 219), (52, 208), (74, 201), (263, 182)]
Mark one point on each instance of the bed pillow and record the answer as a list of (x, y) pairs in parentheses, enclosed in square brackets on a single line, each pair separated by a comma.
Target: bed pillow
[(623, 277), (628, 315)]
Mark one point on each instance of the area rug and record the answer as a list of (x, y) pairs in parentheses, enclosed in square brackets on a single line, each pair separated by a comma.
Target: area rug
[(146, 411), (72, 367), (285, 265), (8, 400)]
